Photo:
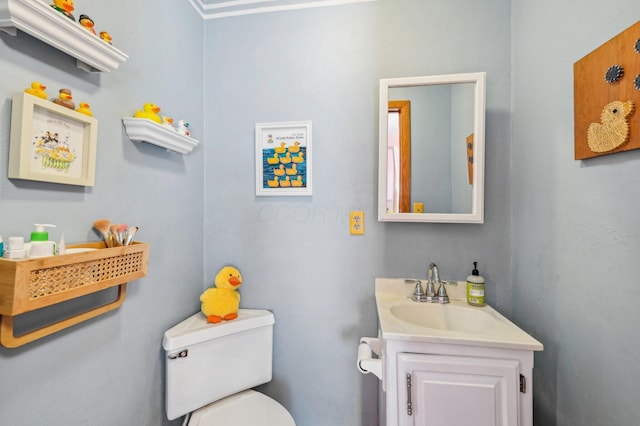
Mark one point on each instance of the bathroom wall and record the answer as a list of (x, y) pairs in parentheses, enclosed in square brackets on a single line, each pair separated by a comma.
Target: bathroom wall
[(576, 232), (109, 370), (298, 259)]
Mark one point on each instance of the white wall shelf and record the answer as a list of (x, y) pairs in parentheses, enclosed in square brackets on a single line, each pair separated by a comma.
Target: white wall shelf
[(41, 21), (145, 130)]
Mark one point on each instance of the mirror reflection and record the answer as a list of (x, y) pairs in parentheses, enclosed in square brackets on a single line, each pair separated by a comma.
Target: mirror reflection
[(431, 148)]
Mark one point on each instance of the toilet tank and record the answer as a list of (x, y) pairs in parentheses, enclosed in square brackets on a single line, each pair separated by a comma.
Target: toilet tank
[(207, 362)]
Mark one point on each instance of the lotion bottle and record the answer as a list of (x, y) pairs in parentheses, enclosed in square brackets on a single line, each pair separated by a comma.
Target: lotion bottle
[(40, 245), (475, 287)]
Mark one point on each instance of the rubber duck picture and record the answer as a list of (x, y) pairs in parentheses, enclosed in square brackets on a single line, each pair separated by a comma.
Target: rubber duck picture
[(65, 99), (273, 160), (297, 181), (87, 24), (149, 111), (85, 109), (65, 7), (106, 37), (222, 301), (37, 89)]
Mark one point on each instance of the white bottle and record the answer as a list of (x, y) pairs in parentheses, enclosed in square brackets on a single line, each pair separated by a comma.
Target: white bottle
[(40, 245), (475, 287)]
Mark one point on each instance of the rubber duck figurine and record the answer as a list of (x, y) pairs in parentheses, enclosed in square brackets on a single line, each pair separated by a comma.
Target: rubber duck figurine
[(65, 7), (183, 127), (37, 89), (87, 24), (168, 122), (106, 37), (149, 111), (222, 301), (65, 99), (85, 109)]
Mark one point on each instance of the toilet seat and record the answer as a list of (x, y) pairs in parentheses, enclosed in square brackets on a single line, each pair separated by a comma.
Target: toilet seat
[(247, 408)]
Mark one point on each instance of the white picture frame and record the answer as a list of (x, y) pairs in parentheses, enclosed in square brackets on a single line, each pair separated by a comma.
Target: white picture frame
[(284, 159), (51, 143)]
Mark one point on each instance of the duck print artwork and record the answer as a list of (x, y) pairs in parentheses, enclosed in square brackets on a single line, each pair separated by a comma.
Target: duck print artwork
[(283, 153)]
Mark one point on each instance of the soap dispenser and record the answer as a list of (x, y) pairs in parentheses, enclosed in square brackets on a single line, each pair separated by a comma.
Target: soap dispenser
[(475, 287), (40, 245)]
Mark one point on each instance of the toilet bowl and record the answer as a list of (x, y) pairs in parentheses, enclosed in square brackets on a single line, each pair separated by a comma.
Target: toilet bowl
[(211, 368), (248, 408)]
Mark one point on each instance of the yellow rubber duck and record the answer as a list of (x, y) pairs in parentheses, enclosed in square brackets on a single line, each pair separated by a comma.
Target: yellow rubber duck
[(149, 111), (106, 37), (297, 181), (292, 171), (298, 158), (286, 159), (222, 301), (279, 171), (65, 99), (37, 89), (280, 149), (295, 147), (65, 7), (273, 183), (85, 109), (273, 160), (285, 183), (87, 24)]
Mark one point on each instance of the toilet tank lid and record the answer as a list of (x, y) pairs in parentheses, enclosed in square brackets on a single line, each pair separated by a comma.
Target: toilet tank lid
[(196, 329)]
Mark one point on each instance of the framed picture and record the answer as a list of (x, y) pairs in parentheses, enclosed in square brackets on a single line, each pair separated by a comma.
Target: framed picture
[(51, 143), (283, 158)]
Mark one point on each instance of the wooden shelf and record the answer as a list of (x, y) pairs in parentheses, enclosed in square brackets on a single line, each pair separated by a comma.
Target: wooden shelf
[(41, 21), (145, 130), (28, 285)]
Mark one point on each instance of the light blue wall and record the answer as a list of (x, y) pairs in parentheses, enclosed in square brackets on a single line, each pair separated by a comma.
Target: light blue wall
[(109, 370), (563, 269), (576, 231), (297, 256)]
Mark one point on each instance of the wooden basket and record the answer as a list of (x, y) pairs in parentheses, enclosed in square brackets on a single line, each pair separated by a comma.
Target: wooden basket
[(27, 285)]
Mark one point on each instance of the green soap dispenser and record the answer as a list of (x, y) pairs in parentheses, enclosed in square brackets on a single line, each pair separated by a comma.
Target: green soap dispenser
[(475, 287)]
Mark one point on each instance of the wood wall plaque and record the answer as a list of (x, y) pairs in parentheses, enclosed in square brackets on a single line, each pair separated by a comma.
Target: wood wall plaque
[(607, 96)]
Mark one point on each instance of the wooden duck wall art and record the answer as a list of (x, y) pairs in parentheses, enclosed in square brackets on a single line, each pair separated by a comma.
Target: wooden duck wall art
[(606, 93)]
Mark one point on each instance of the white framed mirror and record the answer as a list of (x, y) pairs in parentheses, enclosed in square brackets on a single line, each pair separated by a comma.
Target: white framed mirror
[(431, 149)]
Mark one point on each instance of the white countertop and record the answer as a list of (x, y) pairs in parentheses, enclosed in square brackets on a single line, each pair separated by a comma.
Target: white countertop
[(494, 330)]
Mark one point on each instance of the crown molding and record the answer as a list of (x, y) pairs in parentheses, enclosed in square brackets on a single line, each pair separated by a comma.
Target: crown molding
[(216, 9)]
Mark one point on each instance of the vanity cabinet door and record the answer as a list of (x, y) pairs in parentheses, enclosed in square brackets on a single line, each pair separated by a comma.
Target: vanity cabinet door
[(441, 390)]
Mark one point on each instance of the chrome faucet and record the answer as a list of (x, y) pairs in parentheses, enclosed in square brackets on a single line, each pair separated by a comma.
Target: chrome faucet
[(434, 278)]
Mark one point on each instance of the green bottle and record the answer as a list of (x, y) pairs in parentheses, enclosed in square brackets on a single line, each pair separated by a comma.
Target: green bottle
[(475, 287)]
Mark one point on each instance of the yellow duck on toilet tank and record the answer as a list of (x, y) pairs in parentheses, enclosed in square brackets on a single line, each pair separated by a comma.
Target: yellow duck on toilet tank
[(222, 301)]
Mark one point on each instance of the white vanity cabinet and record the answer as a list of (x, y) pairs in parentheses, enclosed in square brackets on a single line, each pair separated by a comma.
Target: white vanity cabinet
[(456, 385), (448, 365)]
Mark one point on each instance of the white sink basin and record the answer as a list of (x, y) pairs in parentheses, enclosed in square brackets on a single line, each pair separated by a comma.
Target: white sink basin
[(451, 317), (455, 322)]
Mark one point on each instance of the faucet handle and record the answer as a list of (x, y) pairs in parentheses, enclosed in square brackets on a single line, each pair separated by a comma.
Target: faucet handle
[(418, 292)]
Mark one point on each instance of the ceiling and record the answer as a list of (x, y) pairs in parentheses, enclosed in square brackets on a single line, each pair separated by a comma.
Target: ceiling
[(213, 9)]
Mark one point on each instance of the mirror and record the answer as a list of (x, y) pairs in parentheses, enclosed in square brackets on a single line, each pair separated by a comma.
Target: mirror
[(431, 150)]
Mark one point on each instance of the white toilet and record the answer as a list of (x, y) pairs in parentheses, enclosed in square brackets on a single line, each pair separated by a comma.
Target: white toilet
[(211, 369)]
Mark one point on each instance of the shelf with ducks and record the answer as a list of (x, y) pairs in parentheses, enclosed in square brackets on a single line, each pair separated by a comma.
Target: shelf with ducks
[(61, 31)]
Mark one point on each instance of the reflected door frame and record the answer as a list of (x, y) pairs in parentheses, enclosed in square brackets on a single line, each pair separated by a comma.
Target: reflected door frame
[(403, 108)]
